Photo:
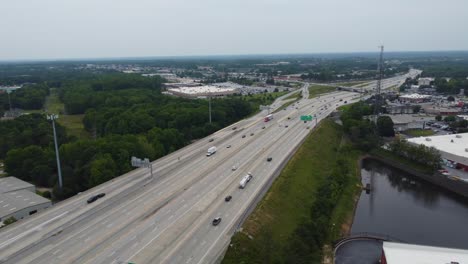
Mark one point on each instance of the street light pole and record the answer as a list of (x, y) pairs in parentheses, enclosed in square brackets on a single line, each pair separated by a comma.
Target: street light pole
[(53, 117)]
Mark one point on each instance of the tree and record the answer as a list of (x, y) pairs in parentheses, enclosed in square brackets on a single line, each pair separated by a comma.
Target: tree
[(449, 119), (438, 118), (9, 221), (385, 126), (416, 108)]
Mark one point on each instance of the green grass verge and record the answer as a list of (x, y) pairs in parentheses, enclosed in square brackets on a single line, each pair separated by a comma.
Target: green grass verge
[(74, 125), (316, 89), (285, 105), (267, 230), (419, 132), (53, 104), (293, 96)]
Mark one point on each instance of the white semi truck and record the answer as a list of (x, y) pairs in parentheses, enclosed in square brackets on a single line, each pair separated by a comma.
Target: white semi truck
[(211, 151), (245, 180)]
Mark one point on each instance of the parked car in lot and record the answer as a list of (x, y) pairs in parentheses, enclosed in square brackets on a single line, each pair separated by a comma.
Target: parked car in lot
[(216, 221), (228, 198)]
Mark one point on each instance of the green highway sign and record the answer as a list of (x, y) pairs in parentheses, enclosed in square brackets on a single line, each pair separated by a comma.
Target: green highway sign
[(306, 118)]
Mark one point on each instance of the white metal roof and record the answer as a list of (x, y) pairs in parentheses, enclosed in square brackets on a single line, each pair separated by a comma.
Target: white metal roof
[(455, 144), (201, 89), (14, 201), (399, 253), (415, 96), (9, 184)]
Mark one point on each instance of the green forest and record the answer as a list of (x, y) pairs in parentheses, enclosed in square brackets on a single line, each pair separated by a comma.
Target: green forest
[(127, 115)]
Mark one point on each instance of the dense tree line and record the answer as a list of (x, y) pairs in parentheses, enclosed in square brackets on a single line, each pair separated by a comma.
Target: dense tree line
[(359, 129), (127, 116), (452, 86), (428, 156), (30, 97)]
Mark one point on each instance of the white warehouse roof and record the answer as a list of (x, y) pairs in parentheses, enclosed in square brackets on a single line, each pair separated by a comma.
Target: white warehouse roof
[(453, 147), (398, 253), (9, 184), (18, 200), (201, 90), (415, 96)]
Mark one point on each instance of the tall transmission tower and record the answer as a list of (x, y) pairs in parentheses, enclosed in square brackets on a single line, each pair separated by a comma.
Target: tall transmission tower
[(378, 97)]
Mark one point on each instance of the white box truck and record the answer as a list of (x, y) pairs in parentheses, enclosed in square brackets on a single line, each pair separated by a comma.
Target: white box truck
[(245, 180), (211, 151)]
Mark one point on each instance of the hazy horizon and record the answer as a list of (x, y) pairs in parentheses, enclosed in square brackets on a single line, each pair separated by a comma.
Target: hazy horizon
[(112, 29)]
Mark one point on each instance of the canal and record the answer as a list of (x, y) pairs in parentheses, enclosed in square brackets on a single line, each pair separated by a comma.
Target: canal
[(405, 207)]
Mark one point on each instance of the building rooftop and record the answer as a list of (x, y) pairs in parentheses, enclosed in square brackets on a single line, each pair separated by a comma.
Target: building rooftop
[(456, 144), (415, 96), (399, 253), (201, 90), (405, 119), (14, 201), (10, 184)]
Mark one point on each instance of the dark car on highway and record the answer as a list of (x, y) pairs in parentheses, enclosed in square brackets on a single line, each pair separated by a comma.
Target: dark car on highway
[(228, 198), (101, 195), (243, 136), (216, 221), (211, 140), (92, 199), (269, 158), (251, 134)]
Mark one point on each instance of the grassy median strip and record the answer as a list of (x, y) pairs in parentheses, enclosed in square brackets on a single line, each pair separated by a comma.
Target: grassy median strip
[(316, 89), (269, 232)]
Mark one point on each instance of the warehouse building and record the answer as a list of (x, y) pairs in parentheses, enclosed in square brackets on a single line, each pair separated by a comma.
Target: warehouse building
[(405, 122), (18, 199), (399, 253), (201, 91), (11, 184), (452, 148)]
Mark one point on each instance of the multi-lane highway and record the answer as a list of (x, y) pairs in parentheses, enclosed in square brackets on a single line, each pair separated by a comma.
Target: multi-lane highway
[(168, 218)]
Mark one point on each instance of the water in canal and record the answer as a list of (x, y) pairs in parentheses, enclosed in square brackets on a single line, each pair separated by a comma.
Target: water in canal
[(410, 209)]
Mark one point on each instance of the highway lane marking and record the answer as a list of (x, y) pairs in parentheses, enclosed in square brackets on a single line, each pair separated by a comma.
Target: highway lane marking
[(38, 228), (55, 252)]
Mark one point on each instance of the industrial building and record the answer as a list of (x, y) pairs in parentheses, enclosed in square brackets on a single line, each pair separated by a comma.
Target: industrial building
[(201, 91), (453, 148), (405, 122), (18, 199), (399, 253), (414, 98)]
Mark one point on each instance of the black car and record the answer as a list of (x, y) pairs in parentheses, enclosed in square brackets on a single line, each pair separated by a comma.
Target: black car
[(243, 136), (92, 199), (211, 140), (289, 117), (216, 221), (269, 158), (263, 127), (228, 198), (286, 126), (251, 134), (101, 195), (345, 102), (234, 128)]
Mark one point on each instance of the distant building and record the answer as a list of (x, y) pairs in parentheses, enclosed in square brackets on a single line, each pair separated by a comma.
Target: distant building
[(414, 98), (405, 122), (18, 199), (425, 81), (399, 253), (201, 91)]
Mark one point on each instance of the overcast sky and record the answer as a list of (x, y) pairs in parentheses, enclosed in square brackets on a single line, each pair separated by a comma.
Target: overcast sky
[(54, 29)]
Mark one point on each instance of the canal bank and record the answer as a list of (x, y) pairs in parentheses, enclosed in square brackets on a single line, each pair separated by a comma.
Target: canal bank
[(406, 208), (458, 187)]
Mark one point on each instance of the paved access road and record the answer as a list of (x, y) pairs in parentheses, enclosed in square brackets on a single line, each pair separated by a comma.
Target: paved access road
[(167, 219)]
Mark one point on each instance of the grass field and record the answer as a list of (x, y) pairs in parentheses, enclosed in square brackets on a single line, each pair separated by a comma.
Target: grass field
[(419, 132), (73, 123), (289, 199), (316, 89), (293, 96)]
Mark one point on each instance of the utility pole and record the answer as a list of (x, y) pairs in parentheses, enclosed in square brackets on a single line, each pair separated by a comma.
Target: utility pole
[(53, 117), (209, 105), (9, 100), (380, 70)]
